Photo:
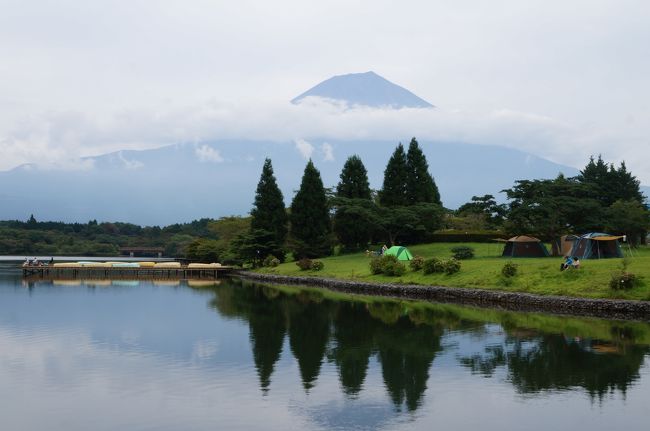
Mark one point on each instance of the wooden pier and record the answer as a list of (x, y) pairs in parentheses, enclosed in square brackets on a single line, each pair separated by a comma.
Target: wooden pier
[(121, 272)]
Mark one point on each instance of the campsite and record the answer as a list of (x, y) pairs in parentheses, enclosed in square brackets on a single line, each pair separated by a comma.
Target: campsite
[(539, 275)]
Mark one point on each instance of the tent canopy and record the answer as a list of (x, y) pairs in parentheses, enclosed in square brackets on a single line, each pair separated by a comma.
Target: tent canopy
[(523, 238), (401, 253)]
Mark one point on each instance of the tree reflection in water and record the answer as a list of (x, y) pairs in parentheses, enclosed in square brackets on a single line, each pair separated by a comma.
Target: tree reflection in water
[(537, 352)]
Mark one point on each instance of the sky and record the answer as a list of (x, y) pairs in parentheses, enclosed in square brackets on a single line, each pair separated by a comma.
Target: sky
[(559, 79)]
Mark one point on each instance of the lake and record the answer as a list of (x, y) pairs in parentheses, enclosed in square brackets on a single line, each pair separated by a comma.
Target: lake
[(197, 355)]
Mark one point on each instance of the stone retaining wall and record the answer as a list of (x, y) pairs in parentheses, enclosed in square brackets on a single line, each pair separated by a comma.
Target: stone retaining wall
[(606, 308)]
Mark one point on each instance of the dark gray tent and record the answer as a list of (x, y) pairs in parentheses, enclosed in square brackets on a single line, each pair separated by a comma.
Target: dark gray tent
[(524, 246), (596, 246)]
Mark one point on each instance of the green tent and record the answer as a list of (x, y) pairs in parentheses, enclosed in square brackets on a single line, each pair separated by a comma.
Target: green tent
[(401, 253)]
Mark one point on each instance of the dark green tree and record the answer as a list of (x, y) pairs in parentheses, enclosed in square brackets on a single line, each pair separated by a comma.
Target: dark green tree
[(610, 184), (628, 218), (269, 215), (550, 208), (353, 220), (420, 186), (409, 224), (354, 180), (310, 220), (485, 207), (393, 191)]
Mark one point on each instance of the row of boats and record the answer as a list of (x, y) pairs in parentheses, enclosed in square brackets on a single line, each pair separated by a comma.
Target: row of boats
[(145, 265)]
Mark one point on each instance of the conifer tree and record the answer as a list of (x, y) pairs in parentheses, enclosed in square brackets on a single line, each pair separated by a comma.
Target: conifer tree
[(269, 217), (354, 180), (393, 192), (420, 186), (310, 222), (353, 219)]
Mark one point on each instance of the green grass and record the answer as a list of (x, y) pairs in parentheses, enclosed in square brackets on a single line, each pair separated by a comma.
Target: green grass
[(540, 275)]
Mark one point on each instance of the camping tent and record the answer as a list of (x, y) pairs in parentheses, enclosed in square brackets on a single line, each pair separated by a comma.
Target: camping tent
[(596, 246), (524, 246), (563, 245), (401, 253)]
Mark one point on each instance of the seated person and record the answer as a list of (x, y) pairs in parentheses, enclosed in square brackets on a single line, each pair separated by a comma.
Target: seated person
[(576, 263), (568, 262)]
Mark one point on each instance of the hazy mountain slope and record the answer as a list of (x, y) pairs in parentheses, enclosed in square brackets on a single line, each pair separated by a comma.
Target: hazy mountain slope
[(367, 89), (185, 182)]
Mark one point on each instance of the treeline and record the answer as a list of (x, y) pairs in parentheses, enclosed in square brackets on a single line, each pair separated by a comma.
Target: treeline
[(104, 239), (602, 198), (406, 209)]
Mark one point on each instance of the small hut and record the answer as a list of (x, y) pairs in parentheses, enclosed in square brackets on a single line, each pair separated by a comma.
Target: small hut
[(524, 246)]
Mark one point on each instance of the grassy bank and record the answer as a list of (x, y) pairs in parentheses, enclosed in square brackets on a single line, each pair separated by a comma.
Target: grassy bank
[(539, 276)]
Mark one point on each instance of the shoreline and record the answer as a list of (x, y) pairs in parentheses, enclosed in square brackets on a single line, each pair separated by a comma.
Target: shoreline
[(619, 309)]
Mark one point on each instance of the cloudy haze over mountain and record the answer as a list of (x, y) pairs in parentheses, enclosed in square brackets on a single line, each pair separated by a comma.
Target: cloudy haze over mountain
[(559, 80)]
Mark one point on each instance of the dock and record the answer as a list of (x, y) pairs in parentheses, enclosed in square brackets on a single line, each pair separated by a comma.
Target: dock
[(108, 272)]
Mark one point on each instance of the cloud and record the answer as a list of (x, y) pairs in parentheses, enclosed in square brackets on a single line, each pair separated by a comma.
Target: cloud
[(206, 153), (63, 139), (328, 152), (129, 164), (304, 148)]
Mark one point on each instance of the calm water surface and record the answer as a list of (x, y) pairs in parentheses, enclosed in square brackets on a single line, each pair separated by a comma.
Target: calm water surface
[(107, 355)]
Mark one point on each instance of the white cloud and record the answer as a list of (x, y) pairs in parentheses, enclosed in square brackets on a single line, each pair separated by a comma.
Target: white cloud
[(304, 148), (328, 152), (129, 164), (206, 153)]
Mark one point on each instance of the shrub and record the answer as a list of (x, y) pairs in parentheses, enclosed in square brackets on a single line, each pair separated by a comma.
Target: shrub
[(376, 266), (304, 264), (416, 263), (317, 265), (394, 268), (509, 269), (451, 266), (463, 252), (388, 265), (432, 265), (271, 261), (623, 280)]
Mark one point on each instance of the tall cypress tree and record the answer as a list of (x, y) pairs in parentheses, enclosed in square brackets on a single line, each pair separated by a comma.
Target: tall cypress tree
[(420, 186), (353, 220), (269, 216), (310, 221), (354, 180), (393, 192)]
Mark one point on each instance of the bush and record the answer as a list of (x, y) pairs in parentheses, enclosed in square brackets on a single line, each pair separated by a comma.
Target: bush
[(509, 269), (623, 280), (416, 263), (388, 265), (433, 265), (304, 264), (271, 261), (451, 266), (463, 252), (376, 266), (394, 268), (317, 265)]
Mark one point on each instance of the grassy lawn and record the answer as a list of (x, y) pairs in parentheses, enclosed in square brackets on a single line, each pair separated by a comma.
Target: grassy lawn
[(539, 275)]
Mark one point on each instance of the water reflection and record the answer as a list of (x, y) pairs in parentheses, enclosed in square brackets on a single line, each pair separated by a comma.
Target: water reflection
[(305, 358), (405, 337)]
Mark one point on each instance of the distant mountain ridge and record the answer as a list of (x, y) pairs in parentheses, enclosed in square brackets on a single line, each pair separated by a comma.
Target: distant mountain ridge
[(183, 182), (366, 89)]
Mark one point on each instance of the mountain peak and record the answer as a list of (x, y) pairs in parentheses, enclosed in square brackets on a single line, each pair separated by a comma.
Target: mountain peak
[(368, 89)]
